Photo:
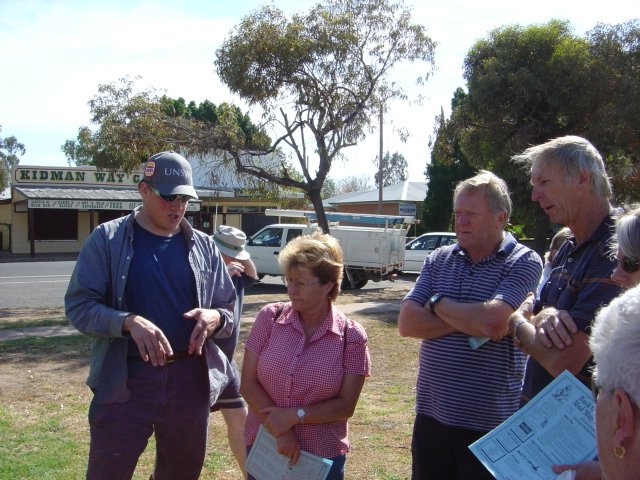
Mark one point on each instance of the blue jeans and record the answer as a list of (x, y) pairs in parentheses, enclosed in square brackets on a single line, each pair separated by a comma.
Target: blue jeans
[(171, 402), (336, 472)]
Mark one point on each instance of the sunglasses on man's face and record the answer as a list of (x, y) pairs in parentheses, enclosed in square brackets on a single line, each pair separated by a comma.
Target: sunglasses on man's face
[(170, 198), (629, 264)]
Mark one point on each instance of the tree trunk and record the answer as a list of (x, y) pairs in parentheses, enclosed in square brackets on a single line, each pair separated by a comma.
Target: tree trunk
[(316, 199)]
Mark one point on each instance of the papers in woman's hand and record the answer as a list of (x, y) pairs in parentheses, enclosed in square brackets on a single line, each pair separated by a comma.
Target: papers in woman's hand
[(265, 463)]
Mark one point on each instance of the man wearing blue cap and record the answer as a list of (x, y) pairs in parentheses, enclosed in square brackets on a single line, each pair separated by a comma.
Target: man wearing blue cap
[(152, 293)]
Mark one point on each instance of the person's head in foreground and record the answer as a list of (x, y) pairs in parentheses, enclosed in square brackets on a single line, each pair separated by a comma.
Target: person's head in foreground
[(615, 343), (627, 250), (556, 242), (312, 267)]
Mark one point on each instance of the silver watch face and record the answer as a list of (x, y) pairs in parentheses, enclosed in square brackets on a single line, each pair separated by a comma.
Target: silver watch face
[(301, 413)]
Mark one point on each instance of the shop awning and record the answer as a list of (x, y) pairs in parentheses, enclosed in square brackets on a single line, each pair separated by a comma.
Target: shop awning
[(85, 198)]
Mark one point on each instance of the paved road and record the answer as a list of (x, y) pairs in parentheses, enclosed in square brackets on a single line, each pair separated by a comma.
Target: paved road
[(43, 284), (34, 284)]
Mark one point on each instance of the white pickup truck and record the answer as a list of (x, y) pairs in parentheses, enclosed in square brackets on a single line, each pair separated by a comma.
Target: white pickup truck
[(370, 253)]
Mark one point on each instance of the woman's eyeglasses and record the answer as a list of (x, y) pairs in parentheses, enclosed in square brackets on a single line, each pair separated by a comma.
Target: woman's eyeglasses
[(169, 198), (298, 284), (629, 264)]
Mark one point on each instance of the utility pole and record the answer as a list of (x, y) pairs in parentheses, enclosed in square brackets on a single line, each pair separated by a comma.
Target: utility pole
[(380, 161)]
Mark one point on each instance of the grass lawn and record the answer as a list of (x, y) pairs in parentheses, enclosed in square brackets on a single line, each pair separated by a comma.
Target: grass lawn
[(43, 413)]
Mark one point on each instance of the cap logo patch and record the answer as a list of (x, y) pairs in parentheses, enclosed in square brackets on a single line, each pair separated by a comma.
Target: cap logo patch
[(150, 168)]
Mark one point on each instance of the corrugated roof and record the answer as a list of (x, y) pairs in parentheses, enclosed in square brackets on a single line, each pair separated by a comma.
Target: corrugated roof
[(79, 193), (398, 192), (62, 193)]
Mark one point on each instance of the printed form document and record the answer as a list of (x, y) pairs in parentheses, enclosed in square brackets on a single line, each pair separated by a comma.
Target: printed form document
[(265, 463), (556, 426)]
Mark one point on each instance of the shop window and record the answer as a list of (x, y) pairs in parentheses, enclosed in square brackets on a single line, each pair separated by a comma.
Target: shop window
[(55, 224), (106, 215)]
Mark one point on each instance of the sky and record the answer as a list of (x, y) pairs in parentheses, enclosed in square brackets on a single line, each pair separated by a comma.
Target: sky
[(55, 53)]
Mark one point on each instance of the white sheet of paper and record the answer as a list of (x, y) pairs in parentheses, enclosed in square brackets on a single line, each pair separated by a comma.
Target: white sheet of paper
[(557, 426), (265, 463)]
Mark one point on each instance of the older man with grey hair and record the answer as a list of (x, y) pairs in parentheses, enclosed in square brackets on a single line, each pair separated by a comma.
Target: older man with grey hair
[(572, 187)]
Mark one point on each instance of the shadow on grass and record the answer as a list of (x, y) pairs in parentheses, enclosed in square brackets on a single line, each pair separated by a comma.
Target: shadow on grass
[(388, 314), (73, 350)]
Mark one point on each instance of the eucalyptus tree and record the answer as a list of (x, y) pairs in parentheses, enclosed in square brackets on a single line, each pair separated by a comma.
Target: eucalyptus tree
[(615, 95), (320, 79), (448, 166), (133, 124), (525, 85), (10, 151), (394, 169)]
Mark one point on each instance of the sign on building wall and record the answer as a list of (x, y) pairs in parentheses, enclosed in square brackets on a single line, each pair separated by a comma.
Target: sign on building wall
[(407, 209), (83, 176), (94, 204)]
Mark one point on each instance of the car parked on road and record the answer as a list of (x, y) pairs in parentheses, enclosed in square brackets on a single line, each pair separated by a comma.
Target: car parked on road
[(417, 249)]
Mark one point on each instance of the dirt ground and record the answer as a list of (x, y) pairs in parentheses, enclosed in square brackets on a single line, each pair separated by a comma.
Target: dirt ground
[(381, 424)]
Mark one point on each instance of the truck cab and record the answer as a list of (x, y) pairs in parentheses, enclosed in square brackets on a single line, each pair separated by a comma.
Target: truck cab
[(266, 244), (369, 253)]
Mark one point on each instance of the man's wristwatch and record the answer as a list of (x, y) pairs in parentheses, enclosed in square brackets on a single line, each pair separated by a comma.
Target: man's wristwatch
[(301, 413), (433, 300), (514, 327)]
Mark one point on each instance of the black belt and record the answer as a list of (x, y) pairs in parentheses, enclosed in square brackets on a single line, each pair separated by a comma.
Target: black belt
[(168, 358), (177, 356)]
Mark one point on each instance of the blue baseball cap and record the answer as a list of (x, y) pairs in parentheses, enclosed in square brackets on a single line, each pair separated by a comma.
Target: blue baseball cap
[(169, 173)]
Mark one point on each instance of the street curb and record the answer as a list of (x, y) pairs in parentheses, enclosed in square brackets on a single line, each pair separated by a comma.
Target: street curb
[(364, 308), (31, 332)]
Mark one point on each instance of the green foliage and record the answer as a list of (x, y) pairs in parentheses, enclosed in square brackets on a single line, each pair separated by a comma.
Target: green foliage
[(394, 169), (10, 151), (320, 77), (133, 125), (516, 230), (527, 85), (522, 85), (615, 129), (448, 167), (329, 189)]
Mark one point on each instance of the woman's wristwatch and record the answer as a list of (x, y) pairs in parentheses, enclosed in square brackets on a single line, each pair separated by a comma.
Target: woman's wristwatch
[(301, 413)]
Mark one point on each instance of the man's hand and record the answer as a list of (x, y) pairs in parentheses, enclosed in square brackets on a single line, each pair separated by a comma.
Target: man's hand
[(289, 446), (207, 321), (556, 329), (584, 471), (526, 308), (152, 344)]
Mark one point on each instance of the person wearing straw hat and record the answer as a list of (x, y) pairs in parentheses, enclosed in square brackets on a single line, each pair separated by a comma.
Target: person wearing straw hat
[(231, 242)]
